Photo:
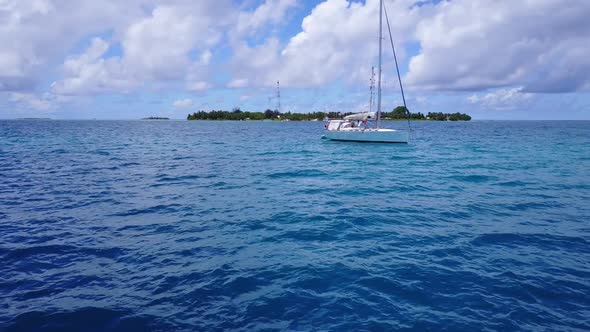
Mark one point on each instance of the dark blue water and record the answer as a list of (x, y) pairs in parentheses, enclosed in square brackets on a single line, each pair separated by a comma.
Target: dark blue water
[(159, 226)]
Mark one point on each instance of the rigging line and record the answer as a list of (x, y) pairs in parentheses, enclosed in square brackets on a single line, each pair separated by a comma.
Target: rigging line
[(397, 67), (380, 70)]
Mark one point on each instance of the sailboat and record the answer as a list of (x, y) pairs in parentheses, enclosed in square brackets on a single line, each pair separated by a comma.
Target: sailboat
[(355, 127)]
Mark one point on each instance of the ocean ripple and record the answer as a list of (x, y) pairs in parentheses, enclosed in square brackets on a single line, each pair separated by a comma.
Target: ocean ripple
[(251, 226)]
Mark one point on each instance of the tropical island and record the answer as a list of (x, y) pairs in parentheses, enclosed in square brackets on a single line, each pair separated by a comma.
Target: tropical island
[(398, 113), (156, 118)]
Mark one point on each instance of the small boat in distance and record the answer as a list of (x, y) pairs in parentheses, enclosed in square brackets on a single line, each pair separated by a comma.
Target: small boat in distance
[(156, 118), (355, 127)]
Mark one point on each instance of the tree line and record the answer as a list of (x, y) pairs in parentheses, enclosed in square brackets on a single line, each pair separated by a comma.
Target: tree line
[(237, 114), (401, 113), (398, 113)]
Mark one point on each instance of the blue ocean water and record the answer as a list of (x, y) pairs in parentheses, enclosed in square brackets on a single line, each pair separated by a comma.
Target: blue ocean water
[(246, 226)]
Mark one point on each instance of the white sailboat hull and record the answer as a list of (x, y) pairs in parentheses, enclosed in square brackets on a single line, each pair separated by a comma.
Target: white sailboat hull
[(369, 135)]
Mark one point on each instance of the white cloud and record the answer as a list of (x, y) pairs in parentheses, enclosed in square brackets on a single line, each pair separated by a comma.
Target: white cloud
[(157, 47), (155, 50), (255, 66), (205, 58), (183, 103), (335, 42), (338, 41), (502, 99), (31, 101), (538, 46), (463, 45), (471, 45), (198, 86), (238, 83), (35, 35), (89, 73), (149, 44), (269, 12)]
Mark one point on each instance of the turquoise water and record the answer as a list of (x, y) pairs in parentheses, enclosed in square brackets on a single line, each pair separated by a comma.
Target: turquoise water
[(130, 225)]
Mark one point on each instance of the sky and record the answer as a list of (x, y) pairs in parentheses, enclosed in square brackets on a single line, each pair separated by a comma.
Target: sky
[(112, 59)]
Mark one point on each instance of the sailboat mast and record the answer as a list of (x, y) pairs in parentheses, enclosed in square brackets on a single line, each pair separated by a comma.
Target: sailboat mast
[(379, 70), (371, 89), (278, 97)]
